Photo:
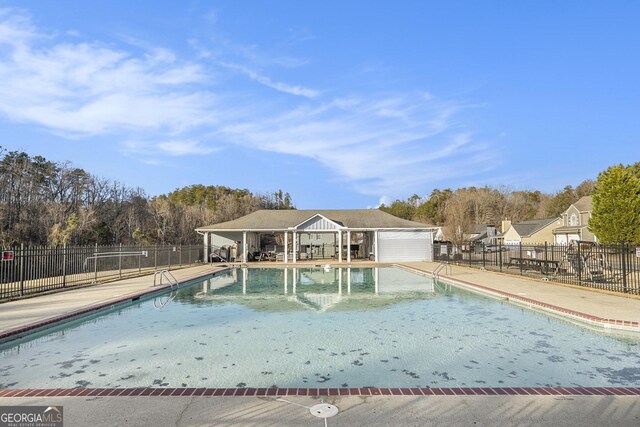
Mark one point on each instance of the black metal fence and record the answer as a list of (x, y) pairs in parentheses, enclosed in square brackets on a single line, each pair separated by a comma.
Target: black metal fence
[(612, 267), (28, 270)]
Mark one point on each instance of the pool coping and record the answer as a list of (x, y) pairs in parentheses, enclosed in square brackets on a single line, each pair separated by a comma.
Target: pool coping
[(19, 331), (321, 392), (600, 322)]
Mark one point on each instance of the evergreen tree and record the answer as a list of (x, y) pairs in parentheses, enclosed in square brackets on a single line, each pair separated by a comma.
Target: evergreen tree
[(616, 206)]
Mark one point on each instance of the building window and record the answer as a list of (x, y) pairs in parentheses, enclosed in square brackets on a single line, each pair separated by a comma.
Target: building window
[(573, 220)]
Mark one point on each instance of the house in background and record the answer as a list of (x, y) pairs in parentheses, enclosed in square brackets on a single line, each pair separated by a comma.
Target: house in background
[(475, 233), (481, 233), (532, 231), (575, 223)]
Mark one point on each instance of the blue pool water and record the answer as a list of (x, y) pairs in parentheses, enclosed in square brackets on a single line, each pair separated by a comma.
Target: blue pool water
[(306, 327)]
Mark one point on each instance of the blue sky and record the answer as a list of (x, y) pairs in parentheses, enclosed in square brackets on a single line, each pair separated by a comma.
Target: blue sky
[(344, 104)]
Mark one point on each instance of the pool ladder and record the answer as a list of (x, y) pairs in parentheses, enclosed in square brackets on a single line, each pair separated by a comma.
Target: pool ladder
[(442, 266), (167, 275), (160, 303)]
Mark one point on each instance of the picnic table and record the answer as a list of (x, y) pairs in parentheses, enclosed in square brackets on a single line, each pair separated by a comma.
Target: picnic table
[(541, 265)]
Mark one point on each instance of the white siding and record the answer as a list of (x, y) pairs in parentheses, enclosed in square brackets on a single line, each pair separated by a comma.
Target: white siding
[(317, 223), (397, 246)]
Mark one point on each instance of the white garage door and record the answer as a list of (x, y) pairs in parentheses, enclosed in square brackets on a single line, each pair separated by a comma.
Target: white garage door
[(396, 246)]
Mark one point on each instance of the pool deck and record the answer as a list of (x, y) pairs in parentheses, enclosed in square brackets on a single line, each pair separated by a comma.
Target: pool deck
[(455, 406), (598, 308), (20, 316)]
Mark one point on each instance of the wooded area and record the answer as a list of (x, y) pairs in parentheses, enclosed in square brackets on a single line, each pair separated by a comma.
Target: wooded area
[(615, 217), (48, 203)]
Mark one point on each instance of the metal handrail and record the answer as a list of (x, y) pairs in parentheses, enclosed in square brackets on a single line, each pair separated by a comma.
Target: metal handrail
[(167, 275), (173, 282), (97, 255), (442, 266)]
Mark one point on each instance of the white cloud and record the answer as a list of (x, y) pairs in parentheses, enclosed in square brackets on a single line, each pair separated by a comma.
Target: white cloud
[(150, 149), (386, 145), (90, 88), (183, 148), (266, 81)]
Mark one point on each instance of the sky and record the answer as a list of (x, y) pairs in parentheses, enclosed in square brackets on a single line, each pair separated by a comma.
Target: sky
[(343, 104)]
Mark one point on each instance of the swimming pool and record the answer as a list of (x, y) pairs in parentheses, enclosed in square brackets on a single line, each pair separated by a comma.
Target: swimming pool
[(319, 327)]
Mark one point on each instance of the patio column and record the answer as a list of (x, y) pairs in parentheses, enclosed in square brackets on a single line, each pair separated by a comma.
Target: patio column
[(340, 246), (348, 245), (295, 244), (244, 246), (286, 243), (206, 246), (375, 245)]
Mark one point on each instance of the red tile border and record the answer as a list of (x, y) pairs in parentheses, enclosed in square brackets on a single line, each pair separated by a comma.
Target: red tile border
[(606, 323), (30, 327), (320, 392)]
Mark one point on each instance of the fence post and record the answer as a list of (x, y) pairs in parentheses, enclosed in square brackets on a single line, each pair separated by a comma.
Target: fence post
[(64, 265), (95, 263), (169, 248), (500, 250), (120, 261), (579, 264), (21, 269), (469, 247), (180, 255), (484, 262), (624, 268), (155, 258), (520, 245), (546, 259)]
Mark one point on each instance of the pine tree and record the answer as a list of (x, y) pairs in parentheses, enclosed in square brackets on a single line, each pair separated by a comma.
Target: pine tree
[(616, 206)]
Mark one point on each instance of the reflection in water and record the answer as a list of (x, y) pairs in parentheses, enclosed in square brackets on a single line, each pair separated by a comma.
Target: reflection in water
[(318, 289), (348, 327)]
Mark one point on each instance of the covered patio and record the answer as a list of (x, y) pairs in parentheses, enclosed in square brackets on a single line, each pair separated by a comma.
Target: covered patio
[(290, 236)]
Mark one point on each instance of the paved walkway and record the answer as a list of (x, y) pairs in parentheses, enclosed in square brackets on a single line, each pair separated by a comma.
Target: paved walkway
[(19, 313), (556, 411), (589, 302)]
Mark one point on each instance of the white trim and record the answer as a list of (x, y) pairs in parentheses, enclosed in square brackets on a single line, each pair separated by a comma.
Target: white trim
[(295, 238), (244, 246), (338, 226), (286, 249)]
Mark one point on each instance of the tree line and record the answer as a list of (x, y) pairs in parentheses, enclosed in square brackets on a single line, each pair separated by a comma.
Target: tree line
[(54, 203), (615, 215)]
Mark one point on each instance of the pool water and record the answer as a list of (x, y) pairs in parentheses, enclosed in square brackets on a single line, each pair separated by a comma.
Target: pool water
[(316, 327)]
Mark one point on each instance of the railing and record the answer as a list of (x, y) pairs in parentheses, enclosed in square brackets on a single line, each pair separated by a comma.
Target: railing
[(160, 302), (442, 266), (611, 267), (167, 275), (26, 271)]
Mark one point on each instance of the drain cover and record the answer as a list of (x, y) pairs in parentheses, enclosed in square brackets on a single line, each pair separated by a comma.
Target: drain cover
[(323, 410)]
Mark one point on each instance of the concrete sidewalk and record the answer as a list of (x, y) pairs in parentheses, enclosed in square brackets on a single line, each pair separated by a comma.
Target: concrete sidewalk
[(19, 313), (353, 411), (605, 305)]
